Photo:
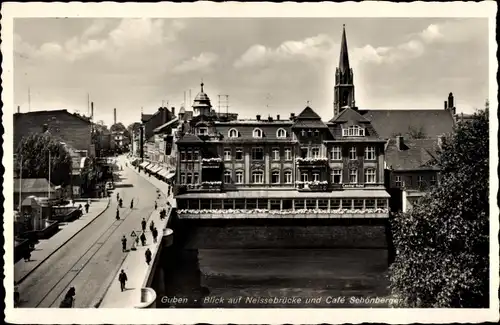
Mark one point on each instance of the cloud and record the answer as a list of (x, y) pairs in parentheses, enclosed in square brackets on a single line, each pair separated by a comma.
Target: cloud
[(201, 63), (317, 47), (97, 27)]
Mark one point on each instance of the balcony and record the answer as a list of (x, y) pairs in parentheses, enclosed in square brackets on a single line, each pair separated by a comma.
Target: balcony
[(211, 163), (318, 162), (312, 186)]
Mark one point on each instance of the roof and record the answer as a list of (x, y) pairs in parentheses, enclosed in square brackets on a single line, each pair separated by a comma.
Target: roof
[(245, 131), (190, 138), (146, 117), (417, 154), (308, 118), (381, 193), (53, 112), (344, 54), (349, 117), (163, 126), (349, 114), (32, 185), (392, 122), (308, 113)]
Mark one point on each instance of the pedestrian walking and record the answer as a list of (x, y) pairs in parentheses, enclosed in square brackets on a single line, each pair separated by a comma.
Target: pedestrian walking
[(152, 225), (124, 243), (143, 224), (27, 256), (69, 299), (87, 207), (148, 256), (155, 234), (156, 205), (143, 239), (122, 278)]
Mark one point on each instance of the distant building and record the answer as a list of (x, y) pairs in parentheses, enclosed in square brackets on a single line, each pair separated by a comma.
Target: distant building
[(37, 187), (73, 129)]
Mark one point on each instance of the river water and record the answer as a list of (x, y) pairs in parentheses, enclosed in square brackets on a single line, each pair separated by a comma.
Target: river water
[(272, 278)]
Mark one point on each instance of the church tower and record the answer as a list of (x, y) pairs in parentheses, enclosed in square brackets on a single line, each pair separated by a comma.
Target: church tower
[(343, 93)]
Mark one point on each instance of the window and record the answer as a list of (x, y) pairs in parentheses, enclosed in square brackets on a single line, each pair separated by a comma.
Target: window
[(202, 130), (334, 204), (287, 204), (257, 154), (336, 153), (316, 177), (239, 154), (257, 133), (336, 176), (397, 181), (370, 175), (205, 204), (262, 204), (227, 154), (183, 178), (381, 204), (276, 154), (352, 153), (196, 178), (311, 204), (275, 177), (433, 180), (347, 204), (353, 131), (258, 177), (300, 204), (288, 177), (251, 204), (304, 152), (420, 181), (233, 133), (275, 204), (189, 178), (281, 133), (239, 204), (189, 155), (228, 204), (239, 177), (304, 177), (194, 204), (323, 204), (315, 152), (183, 155), (288, 154), (196, 155), (358, 204), (227, 176), (353, 176), (316, 133), (216, 204), (370, 204), (370, 153), (303, 133)]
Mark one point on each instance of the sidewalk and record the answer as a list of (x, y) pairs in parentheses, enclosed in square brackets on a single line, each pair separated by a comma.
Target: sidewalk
[(46, 247), (135, 265)]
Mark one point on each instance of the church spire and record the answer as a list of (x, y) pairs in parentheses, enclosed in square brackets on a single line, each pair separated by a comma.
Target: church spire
[(343, 93), (344, 54)]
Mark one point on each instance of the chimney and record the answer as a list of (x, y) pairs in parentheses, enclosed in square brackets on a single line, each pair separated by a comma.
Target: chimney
[(114, 115), (445, 105), (92, 110), (258, 117), (292, 116), (400, 142), (450, 101), (173, 111), (277, 117), (18, 109), (270, 118)]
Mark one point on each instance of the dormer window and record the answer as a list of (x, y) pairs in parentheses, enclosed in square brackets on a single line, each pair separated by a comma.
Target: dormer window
[(202, 130), (233, 133), (281, 133), (353, 131), (316, 133), (257, 133), (303, 133)]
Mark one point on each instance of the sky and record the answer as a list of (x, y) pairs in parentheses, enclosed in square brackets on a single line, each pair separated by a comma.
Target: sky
[(266, 65)]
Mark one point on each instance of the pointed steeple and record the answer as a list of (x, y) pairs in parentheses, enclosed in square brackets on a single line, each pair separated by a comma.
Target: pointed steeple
[(344, 55)]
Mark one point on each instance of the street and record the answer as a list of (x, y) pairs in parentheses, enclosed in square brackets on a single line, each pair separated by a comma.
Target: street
[(91, 259)]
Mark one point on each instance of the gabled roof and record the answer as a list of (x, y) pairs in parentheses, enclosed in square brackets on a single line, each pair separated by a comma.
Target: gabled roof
[(32, 185), (161, 128), (349, 114), (308, 113), (350, 117), (390, 123), (416, 154), (146, 117), (190, 138)]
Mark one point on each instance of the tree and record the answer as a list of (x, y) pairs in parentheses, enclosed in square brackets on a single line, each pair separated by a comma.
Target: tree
[(119, 127), (133, 127), (442, 244), (34, 151)]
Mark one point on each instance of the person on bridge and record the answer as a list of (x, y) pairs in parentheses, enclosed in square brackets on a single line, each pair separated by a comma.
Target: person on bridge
[(122, 278), (143, 224), (152, 225), (148, 256), (69, 299), (155, 234), (143, 239), (124, 243)]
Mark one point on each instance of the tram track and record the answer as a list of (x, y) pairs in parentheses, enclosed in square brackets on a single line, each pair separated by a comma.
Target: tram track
[(76, 268)]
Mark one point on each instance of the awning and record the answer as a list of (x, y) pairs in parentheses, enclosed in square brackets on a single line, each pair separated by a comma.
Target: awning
[(163, 172), (144, 164), (156, 169), (170, 175), (287, 195), (150, 167)]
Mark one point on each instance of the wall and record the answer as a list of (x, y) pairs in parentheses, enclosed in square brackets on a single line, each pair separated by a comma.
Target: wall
[(410, 178), (63, 125)]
